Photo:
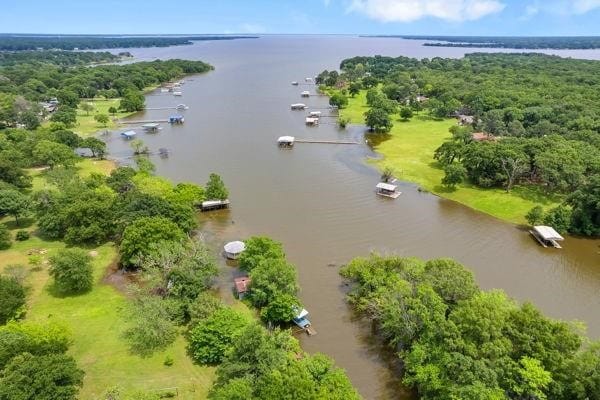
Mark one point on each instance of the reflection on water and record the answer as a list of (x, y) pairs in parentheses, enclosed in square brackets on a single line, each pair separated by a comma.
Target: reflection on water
[(319, 200)]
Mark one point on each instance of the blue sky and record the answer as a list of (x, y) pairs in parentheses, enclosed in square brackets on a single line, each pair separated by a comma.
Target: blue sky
[(418, 17)]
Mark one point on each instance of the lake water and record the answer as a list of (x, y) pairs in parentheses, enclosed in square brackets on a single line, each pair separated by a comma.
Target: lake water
[(319, 200)]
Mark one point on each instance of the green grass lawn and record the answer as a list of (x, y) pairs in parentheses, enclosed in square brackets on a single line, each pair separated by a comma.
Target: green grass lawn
[(87, 125), (97, 320), (409, 149)]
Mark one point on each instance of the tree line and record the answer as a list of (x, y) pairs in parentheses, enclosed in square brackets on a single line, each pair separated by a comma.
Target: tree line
[(510, 42), (27, 80), (532, 120), (10, 42), (459, 342)]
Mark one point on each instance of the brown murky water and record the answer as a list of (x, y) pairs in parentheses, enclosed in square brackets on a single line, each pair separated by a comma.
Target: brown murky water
[(318, 199)]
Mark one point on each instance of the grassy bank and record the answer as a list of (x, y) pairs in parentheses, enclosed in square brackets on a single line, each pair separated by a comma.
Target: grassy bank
[(87, 125), (97, 319), (409, 152)]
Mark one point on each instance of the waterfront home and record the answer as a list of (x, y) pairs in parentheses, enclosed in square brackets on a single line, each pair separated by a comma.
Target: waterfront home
[(312, 121), (242, 286), (233, 249), (152, 127), (546, 236), (176, 119), (128, 134), (315, 114), (298, 106), (286, 141), (483, 137), (305, 93), (387, 190), (210, 205)]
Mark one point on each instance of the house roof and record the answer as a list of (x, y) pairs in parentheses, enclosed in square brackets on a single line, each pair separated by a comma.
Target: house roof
[(242, 284), (285, 139), (547, 232), (235, 247), (386, 186)]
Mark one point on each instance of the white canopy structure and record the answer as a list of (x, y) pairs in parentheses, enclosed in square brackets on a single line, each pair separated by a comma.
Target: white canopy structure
[(298, 106), (314, 114), (234, 249), (312, 121), (386, 186), (305, 93), (548, 233), (286, 141)]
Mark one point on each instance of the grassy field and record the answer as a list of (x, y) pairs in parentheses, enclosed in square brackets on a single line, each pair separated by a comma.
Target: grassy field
[(409, 150), (87, 125), (97, 320)]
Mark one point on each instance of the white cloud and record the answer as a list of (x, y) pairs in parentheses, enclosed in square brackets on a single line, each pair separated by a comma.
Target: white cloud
[(412, 10), (584, 6)]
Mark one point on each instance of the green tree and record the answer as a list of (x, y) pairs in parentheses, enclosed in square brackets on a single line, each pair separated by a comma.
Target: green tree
[(454, 174), (354, 88), (338, 100), (406, 113), (53, 154), (378, 120), (113, 110), (46, 377), (143, 231), (585, 203), (14, 203), (215, 188), (271, 279), (133, 100), (259, 248), (72, 271), (66, 115), (5, 239), (235, 389), (88, 108), (535, 215), (96, 146), (102, 119), (283, 308), (12, 298), (151, 328), (559, 218), (213, 338)]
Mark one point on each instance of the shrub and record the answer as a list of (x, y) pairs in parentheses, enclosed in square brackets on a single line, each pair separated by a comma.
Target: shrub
[(12, 298), (259, 248), (211, 339), (5, 241), (169, 361), (72, 271), (21, 236)]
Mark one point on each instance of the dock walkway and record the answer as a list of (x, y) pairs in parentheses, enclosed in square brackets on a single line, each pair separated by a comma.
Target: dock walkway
[(326, 141)]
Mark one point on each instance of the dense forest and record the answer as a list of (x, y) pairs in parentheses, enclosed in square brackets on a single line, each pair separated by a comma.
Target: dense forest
[(10, 42), (459, 342), (511, 42), (526, 119), (29, 78)]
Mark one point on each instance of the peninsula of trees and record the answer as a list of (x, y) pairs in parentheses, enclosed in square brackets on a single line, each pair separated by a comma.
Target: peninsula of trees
[(510, 42), (13, 42), (522, 119)]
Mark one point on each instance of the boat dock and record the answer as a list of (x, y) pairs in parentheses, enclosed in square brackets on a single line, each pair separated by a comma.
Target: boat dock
[(327, 141), (146, 121)]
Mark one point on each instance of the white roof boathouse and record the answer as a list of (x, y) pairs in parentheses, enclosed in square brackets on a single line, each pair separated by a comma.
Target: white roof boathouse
[(315, 114), (286, 141), (151, 127), (233, 249), (305, 93), (312, 121), (387, 190), (547, 236), (298, 106)]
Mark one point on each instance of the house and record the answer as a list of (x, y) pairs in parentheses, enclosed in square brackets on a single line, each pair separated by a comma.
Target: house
[(242, 286), (483, 137)]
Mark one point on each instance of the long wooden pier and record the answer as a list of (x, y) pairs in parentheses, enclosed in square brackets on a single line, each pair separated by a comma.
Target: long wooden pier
[(146, 121), (326, 141)]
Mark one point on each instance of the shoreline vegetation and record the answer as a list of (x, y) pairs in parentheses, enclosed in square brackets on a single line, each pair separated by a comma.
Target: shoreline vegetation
[(492, 131), (408, 151), (20, 42), (506, 42)]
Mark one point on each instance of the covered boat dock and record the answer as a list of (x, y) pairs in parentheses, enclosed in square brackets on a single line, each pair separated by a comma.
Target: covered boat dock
[(210, 205), (286, 141), (387, 190), (547, 236), (233, 249)]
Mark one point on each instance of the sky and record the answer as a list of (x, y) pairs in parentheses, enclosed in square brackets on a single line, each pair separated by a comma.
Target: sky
[(402, 17)]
